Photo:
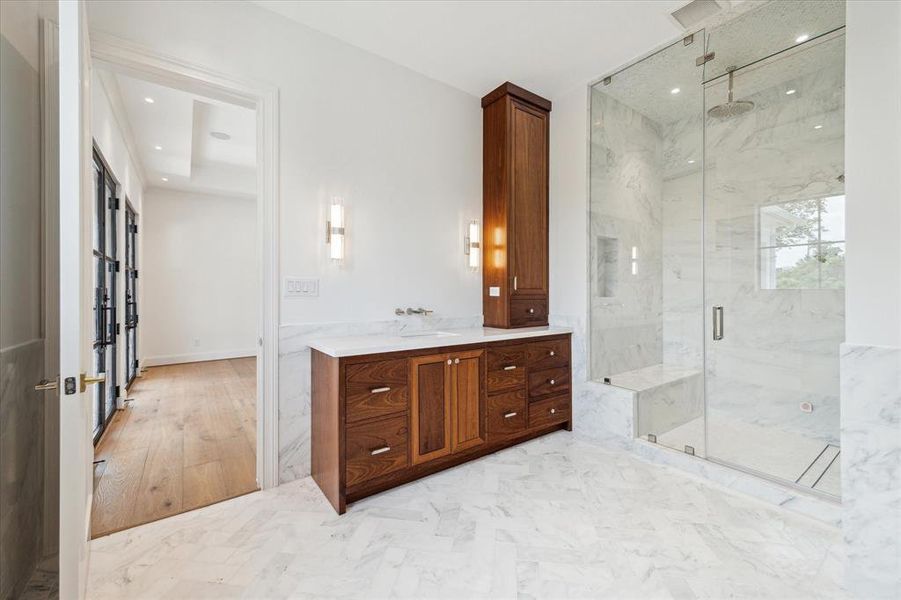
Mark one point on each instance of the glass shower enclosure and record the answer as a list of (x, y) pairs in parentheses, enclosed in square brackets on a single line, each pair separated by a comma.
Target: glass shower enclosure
[(716, 225)]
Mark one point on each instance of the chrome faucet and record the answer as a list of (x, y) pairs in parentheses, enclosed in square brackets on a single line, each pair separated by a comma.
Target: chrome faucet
[(413, 311)]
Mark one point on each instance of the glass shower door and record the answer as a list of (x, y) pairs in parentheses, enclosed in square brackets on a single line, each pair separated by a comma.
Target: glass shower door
[(774, 262)]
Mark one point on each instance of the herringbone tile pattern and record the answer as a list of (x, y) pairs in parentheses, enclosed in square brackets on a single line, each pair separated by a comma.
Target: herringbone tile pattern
[(554, 518)]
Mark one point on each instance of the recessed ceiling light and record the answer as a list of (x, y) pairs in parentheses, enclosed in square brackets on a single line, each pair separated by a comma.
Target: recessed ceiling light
[(157, 147), (165, 178), (789, 92), (148, 100), (802, 38), (675, 91), (691, 162), (817, 126), (220, 135)]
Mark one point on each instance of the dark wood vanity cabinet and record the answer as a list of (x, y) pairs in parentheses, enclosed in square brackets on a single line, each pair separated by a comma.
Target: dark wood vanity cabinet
[(515, 207), (381, 420)]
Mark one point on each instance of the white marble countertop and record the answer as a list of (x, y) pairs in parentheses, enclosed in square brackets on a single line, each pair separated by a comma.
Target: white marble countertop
[(355, 345)]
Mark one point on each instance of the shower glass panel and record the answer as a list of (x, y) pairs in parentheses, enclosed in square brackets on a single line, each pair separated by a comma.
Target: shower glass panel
[(646, 276), (774, 256)]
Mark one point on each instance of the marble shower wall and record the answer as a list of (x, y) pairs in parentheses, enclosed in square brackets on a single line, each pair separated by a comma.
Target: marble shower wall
[(781, 346), (22, 472), (625, 217), (294, 378), (871, 469)]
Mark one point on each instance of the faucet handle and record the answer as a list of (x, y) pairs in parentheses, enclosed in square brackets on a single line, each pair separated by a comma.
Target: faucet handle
[(426, 311)]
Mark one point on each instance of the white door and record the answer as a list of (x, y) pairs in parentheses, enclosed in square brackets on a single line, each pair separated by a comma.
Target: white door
[(75, 439)]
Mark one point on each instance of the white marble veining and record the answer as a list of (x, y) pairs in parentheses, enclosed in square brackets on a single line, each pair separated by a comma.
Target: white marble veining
[(871, 469), (355, 345), (553, 518)]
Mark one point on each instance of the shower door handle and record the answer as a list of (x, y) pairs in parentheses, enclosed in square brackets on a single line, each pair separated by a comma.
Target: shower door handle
[(717, 322)]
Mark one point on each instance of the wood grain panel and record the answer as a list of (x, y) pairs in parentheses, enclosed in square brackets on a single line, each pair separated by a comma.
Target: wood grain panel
[(376, 389), (506, 356), (376, 448), (430, 407), (506, 414), (549, 412), (528, 311), (529, 200), (327, 433), (549, 353), (549, 381), (495, 194), (468, 412)]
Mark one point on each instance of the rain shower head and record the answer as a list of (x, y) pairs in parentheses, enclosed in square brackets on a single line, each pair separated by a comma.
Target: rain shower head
[(731, 108)]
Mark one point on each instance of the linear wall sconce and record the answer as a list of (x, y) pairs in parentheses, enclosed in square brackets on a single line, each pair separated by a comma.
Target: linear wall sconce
[(334, 230), (472, 245)]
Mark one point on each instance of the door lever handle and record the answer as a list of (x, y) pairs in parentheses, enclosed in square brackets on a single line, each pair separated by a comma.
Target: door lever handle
[(47, 384), (87, 380)]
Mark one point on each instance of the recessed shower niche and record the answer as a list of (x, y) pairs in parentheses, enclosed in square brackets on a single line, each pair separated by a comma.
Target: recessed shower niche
[(717, 241)]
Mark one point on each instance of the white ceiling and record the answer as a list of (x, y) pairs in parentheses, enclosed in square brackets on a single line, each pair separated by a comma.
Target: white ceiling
[(547, 47), (180, 123)]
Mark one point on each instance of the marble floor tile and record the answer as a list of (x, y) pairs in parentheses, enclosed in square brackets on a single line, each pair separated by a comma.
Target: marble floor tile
[(557, 517)]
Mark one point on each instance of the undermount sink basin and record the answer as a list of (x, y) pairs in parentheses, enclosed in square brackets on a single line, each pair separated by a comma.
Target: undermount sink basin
[(422, 334)]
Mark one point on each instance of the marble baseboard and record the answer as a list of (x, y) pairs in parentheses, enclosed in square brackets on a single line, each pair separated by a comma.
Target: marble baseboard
[(22, 475), (871, 469), (294, 378)]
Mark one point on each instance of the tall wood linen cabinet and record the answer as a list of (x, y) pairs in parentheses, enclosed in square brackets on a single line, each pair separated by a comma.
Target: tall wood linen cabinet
[(515, 207)]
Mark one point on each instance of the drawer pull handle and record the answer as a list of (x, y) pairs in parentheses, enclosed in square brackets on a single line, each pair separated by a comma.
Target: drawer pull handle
[(380, 390), (381, 450), (510, 368), (553, 411), (552, 381), (510, 415), (531, 311), (551, 353)]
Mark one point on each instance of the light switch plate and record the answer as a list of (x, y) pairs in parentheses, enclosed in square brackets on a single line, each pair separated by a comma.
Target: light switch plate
[(301, 288), (494, 290)]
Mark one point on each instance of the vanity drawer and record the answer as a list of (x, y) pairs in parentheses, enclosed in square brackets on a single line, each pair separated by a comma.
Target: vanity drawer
[(375, 389), (376, 448), (549, 353), (548, 381), (506, 414), (550, 411), (526, 311), (506, 368)]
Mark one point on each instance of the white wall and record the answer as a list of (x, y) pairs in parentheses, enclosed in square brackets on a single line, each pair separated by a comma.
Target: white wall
[(402, 150), (199, 277), (873, 169)]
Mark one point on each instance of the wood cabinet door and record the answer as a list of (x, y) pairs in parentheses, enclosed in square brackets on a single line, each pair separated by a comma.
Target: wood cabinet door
[(430, 407), (467, 406), (529, 201)]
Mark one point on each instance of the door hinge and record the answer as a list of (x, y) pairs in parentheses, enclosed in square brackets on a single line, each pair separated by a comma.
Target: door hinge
[(136, 273), (117, 329), (118, 391), (687, 40), (118, 265), (114, 203), (705, 59), (136, 364)]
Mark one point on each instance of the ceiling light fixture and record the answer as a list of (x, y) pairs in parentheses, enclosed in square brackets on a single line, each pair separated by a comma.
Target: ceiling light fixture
[(691, 162), (802, 38), (149, 100), (817, 126), (220, 135), (675, 91), (157, 147), (164, 178), (789, 92)]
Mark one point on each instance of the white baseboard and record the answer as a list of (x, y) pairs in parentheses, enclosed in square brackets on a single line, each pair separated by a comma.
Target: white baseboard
[(177, 359)]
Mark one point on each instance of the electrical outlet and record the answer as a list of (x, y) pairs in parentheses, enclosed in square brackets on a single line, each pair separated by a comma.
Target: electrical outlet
[(301, 288)]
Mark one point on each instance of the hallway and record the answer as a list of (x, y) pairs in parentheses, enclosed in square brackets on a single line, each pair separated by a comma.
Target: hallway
[(186, 439)]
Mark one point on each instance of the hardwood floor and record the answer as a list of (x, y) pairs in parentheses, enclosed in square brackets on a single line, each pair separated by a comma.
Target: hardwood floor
[(186, 440)]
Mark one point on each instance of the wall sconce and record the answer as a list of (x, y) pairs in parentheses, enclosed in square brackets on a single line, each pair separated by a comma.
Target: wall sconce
[(334, 230), (472, 245)]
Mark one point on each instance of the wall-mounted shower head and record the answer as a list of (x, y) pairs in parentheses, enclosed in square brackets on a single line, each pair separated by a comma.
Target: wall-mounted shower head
[(731, 108)]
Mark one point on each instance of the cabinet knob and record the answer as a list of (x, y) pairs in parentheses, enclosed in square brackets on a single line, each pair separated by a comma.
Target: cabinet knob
[(553, 411), (449, 361), (552, 382), (509, 415), (531, 311), (551, 353), (456, 361)]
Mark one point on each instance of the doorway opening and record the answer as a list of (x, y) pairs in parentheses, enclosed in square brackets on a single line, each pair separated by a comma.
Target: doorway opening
[(181, 433)]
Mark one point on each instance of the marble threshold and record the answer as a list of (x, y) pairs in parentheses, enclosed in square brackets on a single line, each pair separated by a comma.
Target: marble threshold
[(355, 345)]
